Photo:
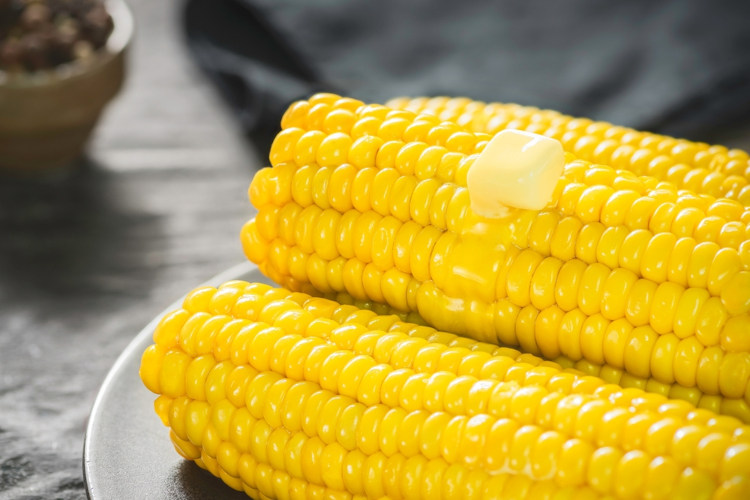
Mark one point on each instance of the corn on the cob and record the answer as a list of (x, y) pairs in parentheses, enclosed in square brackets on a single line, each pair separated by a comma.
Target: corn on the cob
[(284, 395), (626, 276), (696, 166)]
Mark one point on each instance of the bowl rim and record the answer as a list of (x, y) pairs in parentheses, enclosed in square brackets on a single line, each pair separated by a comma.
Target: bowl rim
[(118, 41)]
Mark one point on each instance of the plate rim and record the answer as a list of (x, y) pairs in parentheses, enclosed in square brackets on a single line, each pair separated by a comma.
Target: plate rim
[(89, 482)]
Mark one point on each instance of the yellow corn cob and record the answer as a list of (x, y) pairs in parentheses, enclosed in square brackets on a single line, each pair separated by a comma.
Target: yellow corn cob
[(606, 374), (460, 356), (625, 276), (276, 392), (700, 167)]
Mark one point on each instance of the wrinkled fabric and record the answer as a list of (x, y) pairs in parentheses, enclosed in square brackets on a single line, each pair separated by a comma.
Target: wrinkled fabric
[(680, 67)]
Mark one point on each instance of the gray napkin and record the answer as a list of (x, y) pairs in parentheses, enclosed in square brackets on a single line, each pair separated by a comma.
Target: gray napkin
[(680, 67)]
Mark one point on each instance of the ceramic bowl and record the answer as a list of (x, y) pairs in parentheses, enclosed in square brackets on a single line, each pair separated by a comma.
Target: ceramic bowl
[(46, 118)]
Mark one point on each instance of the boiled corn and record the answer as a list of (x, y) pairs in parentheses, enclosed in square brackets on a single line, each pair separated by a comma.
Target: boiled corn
[(284, 395), (699, 167), (626, 276)]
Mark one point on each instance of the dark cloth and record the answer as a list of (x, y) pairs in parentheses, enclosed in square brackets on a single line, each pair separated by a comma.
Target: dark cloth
[(680, 67)]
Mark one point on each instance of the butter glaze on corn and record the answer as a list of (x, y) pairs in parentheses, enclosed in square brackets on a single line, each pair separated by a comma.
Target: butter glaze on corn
[(626, 276), (696, 166), (284, 395)]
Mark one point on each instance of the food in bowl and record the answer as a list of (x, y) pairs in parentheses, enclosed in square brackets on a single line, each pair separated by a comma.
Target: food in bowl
[(39, 35), (61, 62)]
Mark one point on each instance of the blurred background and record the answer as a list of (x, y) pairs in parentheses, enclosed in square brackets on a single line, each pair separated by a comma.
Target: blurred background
[(92, 248)]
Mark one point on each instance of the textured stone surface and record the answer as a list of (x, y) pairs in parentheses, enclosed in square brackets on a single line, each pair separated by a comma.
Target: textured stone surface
[(88, 258)]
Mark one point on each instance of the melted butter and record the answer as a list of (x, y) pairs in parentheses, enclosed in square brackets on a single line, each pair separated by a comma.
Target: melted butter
[(517, 169), (478, 254), (508, 183)]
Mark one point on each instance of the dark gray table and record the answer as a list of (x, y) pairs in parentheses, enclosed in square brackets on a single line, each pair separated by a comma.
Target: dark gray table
[(88, 259)]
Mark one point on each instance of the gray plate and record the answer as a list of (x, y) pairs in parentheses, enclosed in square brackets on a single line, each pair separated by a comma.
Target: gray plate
[(127, 452)]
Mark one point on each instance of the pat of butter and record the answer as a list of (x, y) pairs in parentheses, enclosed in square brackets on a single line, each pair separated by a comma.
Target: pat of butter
[(517, 169)]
